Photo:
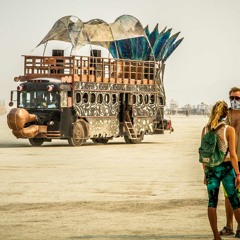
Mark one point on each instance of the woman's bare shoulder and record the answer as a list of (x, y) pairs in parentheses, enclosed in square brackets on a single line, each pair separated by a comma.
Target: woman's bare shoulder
[(230, 129)]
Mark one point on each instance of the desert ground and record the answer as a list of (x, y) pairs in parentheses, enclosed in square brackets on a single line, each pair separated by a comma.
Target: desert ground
[(114, 191)]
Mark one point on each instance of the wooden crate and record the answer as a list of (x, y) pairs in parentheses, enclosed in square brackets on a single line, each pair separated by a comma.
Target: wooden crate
[(84, 78), (145, 81), (112, 80), (119, 80), (132, 81), (139, 81), (151, 82), (105, 80), (76, 78), (98, 79), (91, 78)]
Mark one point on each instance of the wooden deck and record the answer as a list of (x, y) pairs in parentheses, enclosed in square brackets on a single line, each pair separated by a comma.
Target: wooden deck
[(89, 69)]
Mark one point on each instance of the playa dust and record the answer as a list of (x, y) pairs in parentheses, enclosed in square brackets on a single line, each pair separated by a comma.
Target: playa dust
[(152, 190)]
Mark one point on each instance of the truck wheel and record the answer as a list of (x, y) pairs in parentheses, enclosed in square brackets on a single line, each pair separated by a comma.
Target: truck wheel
[(133, 141), (100, 140), (78, 137), (36, 142)]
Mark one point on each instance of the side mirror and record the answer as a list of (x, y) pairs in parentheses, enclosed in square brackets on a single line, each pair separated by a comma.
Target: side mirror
[(10, 104)]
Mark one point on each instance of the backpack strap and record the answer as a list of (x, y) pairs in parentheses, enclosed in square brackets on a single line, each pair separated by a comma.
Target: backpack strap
[(219, 126), (208, 129)]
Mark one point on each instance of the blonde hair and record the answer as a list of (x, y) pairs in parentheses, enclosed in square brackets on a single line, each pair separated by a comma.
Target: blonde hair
[(219, 110)]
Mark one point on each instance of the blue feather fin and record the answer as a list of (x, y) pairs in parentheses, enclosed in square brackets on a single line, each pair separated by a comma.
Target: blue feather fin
[(171, 49), (167, 44)]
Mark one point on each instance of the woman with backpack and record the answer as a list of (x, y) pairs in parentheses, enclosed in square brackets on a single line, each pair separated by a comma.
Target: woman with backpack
[(226, 171)]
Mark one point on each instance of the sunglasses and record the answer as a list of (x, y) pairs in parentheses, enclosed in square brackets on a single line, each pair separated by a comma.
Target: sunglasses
[(234, 98)]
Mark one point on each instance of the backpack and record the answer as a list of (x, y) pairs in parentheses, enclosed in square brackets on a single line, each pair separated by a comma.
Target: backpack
[(209, 152)]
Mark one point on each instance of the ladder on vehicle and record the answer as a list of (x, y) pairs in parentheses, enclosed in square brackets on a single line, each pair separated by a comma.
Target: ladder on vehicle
[(129, 127)]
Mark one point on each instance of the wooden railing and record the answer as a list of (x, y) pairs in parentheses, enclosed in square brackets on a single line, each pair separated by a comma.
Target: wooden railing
[(35, 65), (89, 69)]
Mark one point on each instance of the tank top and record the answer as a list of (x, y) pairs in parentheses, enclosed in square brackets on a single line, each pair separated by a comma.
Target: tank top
[(223, 142)]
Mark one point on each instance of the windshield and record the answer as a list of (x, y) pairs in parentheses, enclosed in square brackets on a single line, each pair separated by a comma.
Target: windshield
[(38, 99)]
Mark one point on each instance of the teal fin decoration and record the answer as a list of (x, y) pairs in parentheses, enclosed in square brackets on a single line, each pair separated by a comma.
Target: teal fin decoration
[(160, 43), (151, 39), (113, 50), (153, 35), (146, 47), (167, 44), (157, 40), (146, 29), (163, 31), (171, 49), (124, 49), (155, 45), (137, 47)]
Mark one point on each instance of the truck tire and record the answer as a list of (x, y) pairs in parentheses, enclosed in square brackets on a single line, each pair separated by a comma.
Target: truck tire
[(36, 142), (100, 140), (78, 135)]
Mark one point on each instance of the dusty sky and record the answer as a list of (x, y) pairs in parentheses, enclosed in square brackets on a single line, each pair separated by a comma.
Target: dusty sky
[(202, 69)]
